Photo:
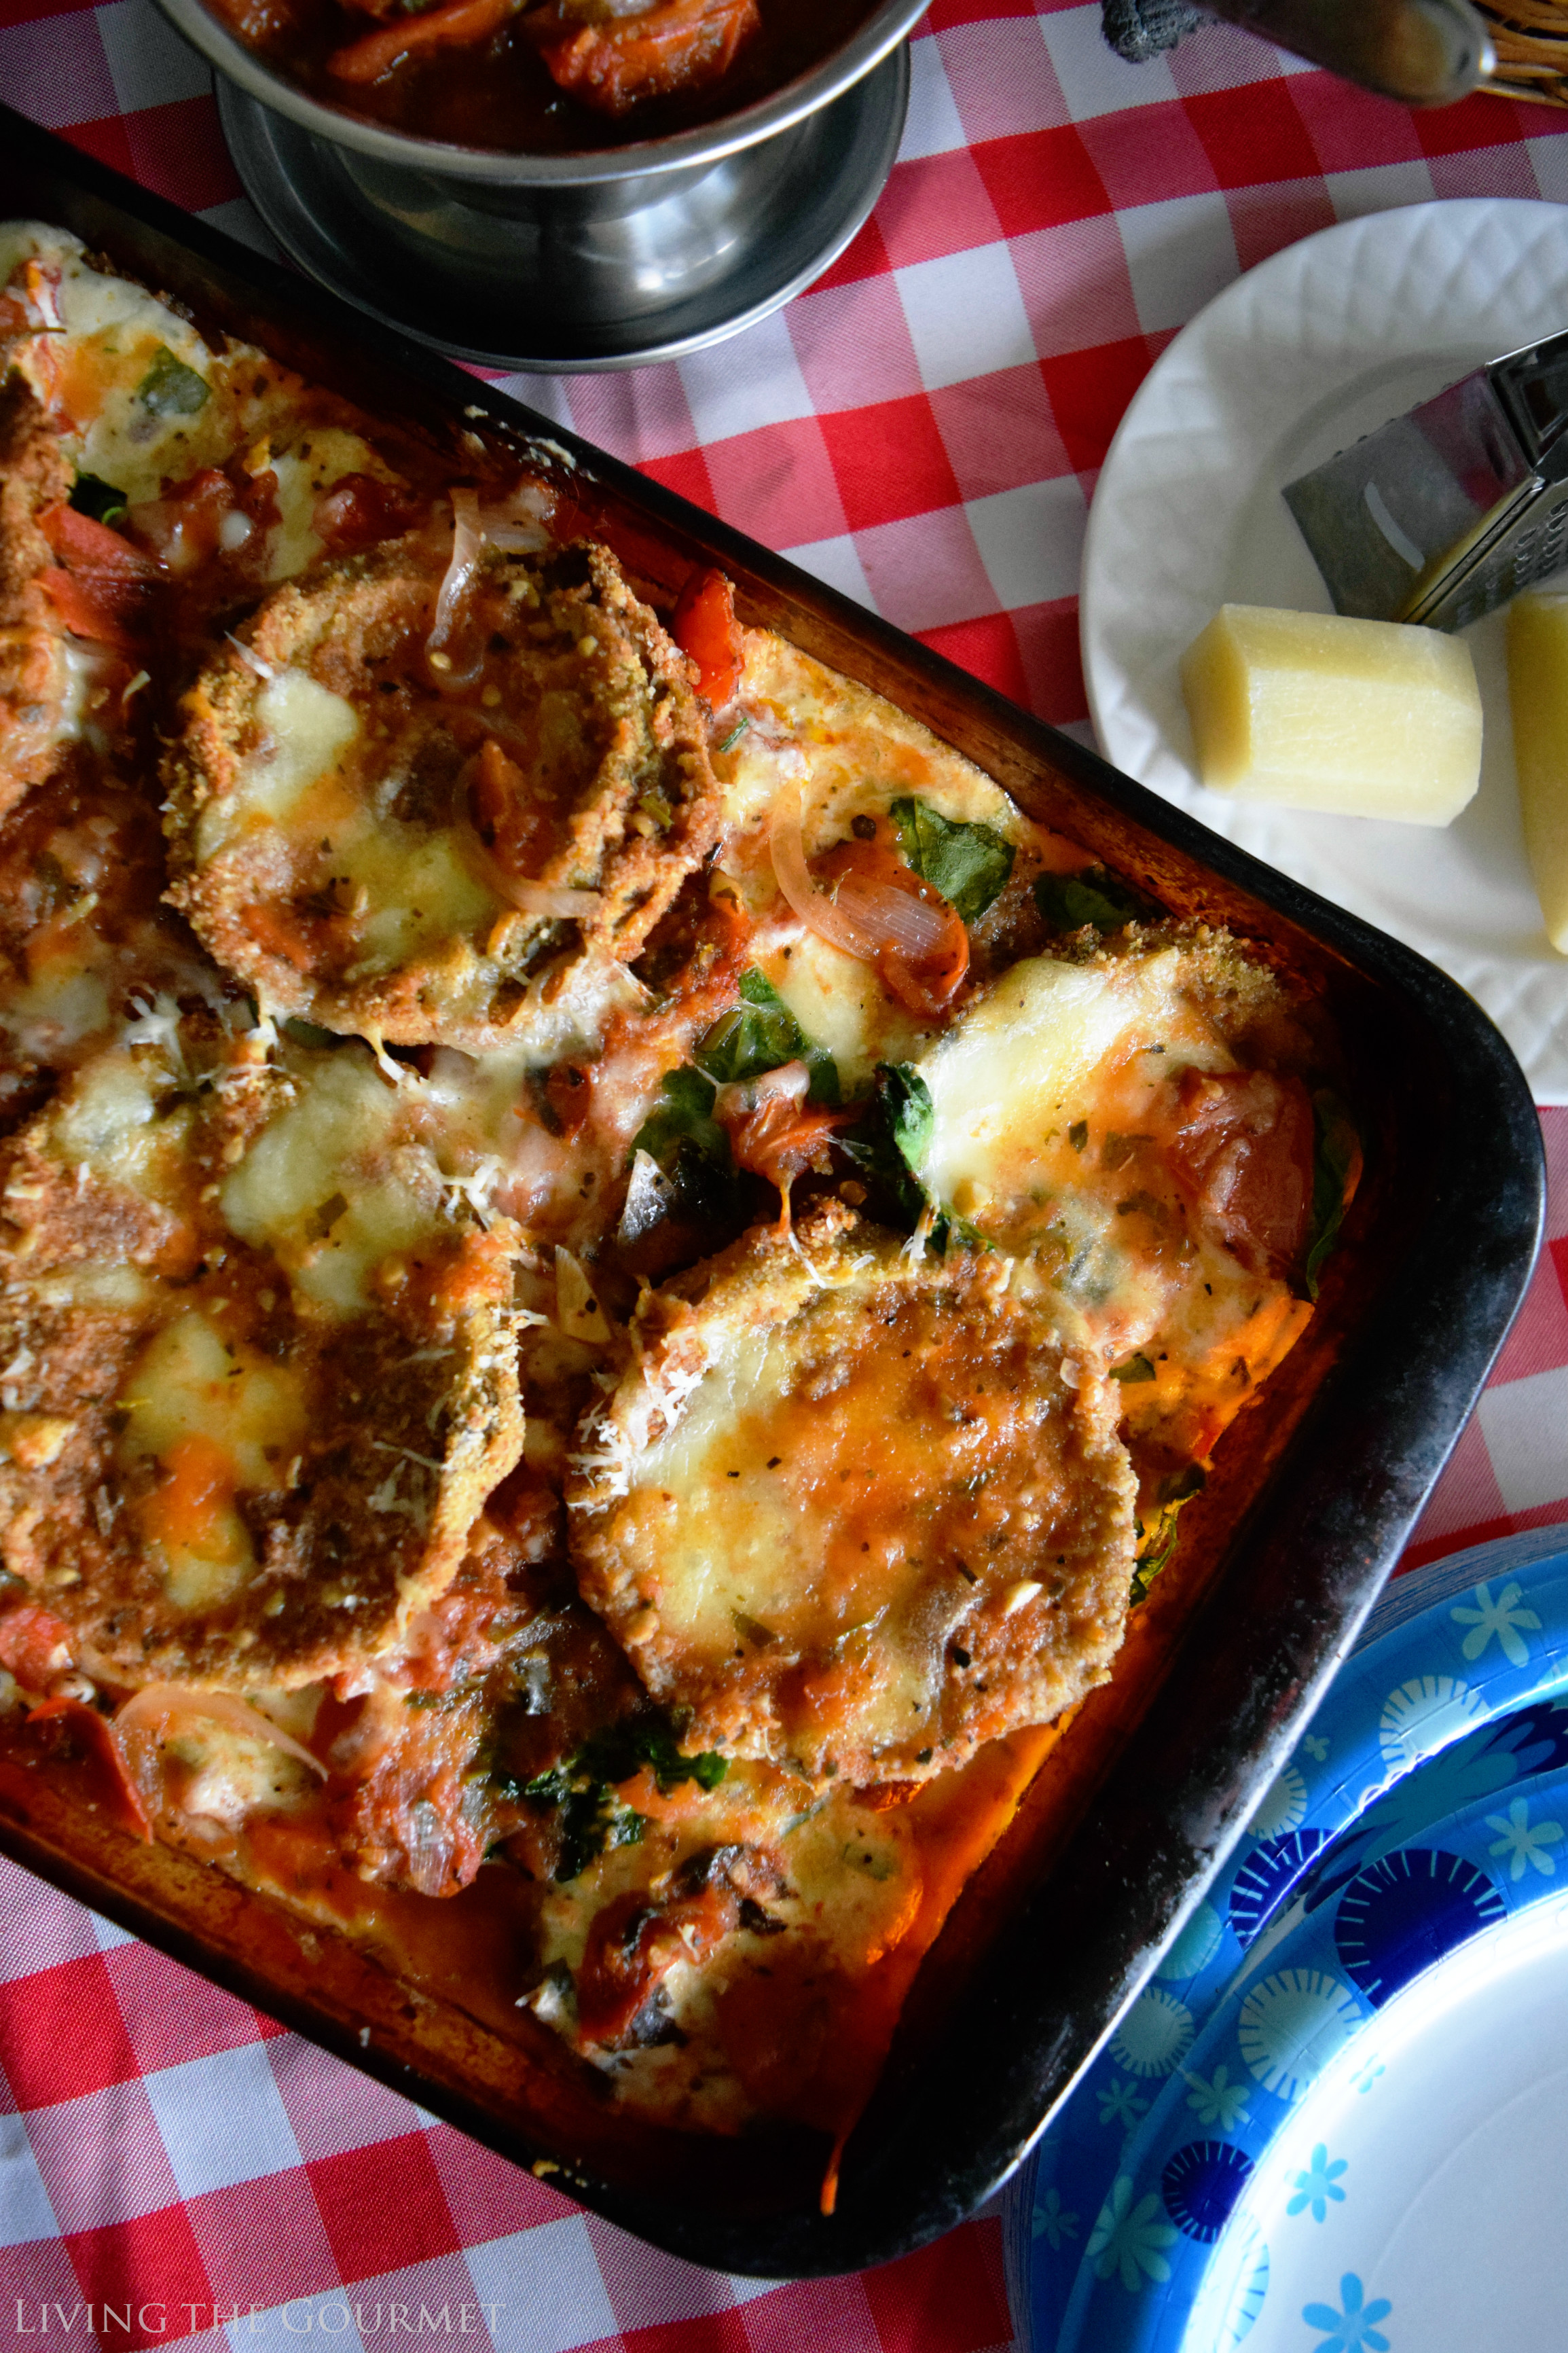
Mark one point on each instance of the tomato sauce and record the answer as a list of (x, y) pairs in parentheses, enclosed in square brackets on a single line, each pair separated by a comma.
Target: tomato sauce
[(498, 92)]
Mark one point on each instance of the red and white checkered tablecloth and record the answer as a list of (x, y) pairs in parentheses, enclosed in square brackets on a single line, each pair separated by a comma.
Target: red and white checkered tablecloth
[(924, 428)]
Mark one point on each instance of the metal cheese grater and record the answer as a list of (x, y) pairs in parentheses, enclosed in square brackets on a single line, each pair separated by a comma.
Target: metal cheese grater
[(1451, 509)]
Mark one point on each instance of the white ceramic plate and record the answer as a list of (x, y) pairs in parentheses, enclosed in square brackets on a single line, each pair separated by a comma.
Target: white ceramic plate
[(1316, 346)]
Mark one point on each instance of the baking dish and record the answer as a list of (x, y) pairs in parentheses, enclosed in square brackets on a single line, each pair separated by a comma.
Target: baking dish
[(1282, 1554)]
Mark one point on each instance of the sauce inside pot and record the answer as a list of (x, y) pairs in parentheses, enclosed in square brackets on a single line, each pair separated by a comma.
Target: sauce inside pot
[(503, 88)]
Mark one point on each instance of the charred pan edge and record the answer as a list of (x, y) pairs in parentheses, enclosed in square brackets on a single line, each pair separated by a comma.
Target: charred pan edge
[(1301, 1574)]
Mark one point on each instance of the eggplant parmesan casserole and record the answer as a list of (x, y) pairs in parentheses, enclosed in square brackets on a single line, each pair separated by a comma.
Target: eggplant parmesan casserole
[(613, 1270)]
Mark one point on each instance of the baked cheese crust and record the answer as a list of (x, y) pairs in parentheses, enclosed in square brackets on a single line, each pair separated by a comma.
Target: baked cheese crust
[(622, 1292), (258, 1378), (855, 1509), (1063, 1102), (343, 831)]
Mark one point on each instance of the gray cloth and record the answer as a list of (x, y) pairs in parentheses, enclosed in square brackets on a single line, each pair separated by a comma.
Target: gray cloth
[(1139, 29)]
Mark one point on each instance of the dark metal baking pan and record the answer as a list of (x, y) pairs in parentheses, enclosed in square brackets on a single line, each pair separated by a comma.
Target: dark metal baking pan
[(1313, 1493)]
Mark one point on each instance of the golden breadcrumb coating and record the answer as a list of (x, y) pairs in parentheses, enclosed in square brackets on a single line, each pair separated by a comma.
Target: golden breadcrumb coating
[(349, 823), (852, 1508), (231, 1456), (33, 673)]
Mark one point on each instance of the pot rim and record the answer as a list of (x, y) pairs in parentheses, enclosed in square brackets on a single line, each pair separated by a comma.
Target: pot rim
[(708, 143)]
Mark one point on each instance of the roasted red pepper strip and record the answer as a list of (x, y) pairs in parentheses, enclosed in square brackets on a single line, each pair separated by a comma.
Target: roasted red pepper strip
[(777, 1138), (97, 1734), (1240, 1147), (35, 1645), (103, 592), (705, 628), (632, 1947), (91, 547), (107, 611)]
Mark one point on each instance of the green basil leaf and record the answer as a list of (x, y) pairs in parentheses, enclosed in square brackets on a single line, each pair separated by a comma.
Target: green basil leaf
[(1158, 1534), (100, 499), (968, 864), (1335, 1151), (889, 1139), (1135, 1368), (682, 1117), (1069, 902), (826, 1088), (762, 1034), (594, 1817), (908, 1111), (170, 388), (594, 1822), (757, 1035)]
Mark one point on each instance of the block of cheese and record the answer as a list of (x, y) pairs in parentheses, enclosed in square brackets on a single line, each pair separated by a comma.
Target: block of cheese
[(1364, 718), (1537, 692)]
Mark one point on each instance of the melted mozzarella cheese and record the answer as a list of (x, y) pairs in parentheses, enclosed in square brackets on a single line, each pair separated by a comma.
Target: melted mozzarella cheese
[(320, 460), (1024, 1060), (115, 1290), (189, 1384), (53, 1015), (418, 886), (189, 1381), (112, 1122), (115, 332), (330, 1188), (303, 779), (308, 732), (840, 1005)]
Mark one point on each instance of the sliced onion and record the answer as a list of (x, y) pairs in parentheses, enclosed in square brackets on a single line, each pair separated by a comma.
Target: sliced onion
[(543, 899), (863, 918), (518, 524), (528, 898), (467, 546), (430, 1848), (790, 1084), (512, 538), (157, 1707), (896, 919), (818, 913)]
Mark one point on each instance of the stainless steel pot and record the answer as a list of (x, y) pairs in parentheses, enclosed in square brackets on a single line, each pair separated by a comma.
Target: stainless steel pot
[(600, 259)]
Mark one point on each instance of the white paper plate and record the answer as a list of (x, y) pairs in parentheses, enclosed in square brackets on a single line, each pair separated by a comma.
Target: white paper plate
[(1318, 345), (1338, 1990), (1441, 2133)]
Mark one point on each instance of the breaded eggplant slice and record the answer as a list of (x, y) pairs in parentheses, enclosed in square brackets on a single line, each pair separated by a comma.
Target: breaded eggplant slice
[(1130, 1124), (35, 677), (259, 1375), (352, 833), (851, 1510)]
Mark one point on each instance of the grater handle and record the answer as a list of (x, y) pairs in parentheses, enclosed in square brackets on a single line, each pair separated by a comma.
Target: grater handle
[(1421, 52)]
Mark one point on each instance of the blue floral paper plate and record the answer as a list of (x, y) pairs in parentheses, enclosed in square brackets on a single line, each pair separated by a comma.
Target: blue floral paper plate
[(1451, 1712)]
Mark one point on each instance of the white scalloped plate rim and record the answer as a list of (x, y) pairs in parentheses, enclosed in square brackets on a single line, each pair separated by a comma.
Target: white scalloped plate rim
[(1315, 346)]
